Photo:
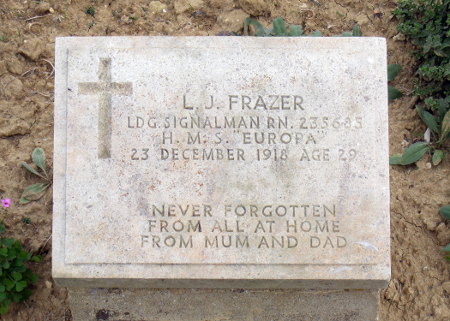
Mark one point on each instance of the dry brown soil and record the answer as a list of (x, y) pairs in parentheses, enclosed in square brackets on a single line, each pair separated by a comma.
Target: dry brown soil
[(420, 285)]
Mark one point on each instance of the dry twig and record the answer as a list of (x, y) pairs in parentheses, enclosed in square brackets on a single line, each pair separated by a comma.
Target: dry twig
[(35, 17), (52, 67), (45, 243)]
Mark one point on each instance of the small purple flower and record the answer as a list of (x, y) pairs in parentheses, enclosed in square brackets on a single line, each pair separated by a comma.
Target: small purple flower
[(6, 202)]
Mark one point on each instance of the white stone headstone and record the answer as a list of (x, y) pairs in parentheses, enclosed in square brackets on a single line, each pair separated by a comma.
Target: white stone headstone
[(221, 162)]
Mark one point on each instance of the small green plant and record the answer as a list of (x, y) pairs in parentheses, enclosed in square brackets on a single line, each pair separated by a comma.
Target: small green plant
[(445, 212), (90, 10), (427, 24), (15, 277), (279, 29), (26, 220), (439, 128), (36, 191)]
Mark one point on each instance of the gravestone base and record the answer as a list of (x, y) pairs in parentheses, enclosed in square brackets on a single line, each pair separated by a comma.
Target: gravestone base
[(219, 304)]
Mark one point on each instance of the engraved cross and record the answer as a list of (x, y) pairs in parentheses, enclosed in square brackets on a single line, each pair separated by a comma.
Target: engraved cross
[(104, 88)]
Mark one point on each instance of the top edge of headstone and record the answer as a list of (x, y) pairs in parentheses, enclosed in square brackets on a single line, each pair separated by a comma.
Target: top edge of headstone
[(212, 41)]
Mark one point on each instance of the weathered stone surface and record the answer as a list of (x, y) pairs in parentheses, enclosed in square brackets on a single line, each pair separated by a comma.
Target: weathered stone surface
[(221, 162), (215, 305)]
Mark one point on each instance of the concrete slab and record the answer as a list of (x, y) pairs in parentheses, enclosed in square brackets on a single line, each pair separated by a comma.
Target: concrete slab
[(221, 162), (215, 305)]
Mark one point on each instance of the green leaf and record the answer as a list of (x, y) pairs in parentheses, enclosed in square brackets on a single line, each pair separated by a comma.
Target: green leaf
[(3, 251), (393, 71), (395, 159), (446, 249), (21, 268), (38, 157), (445, 126), (16, 276), (295, 30), (9, 284), (413, 153), (428, 119), (279, 28), (2, 288), (438, 156), (356, 31), (33, 192), (25, 295), (5, 264), (394, 93), (316, 33), (8, 242), (4, 306), (21, 285), (3, 296), (3, 309), (439, 52), (12, 254), (36, 258), (34, 278), (347, 34), (31, 169), (445, 212), (23, 255), (260, 31), (16, 296), (2, 228)]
